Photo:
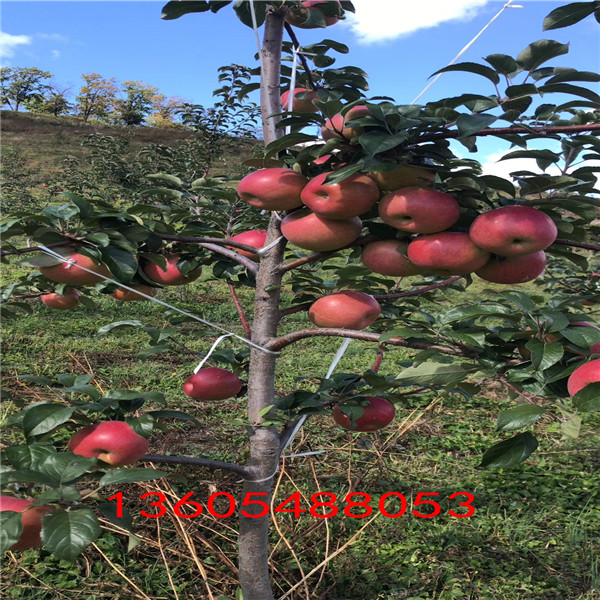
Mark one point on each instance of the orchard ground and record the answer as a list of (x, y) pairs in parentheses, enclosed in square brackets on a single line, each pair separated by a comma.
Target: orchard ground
[(533, 534)]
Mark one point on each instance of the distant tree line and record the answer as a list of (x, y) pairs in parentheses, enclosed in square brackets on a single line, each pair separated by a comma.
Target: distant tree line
[(129, 103)]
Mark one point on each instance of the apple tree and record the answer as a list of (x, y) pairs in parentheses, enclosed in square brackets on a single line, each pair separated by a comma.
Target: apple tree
[(366, 225)]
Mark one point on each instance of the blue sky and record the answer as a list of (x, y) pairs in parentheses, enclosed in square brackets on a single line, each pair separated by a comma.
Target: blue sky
[(398, 43)]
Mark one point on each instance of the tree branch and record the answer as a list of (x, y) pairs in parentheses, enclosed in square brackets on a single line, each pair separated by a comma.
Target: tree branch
[(290, 31), (443, 135), (365, 336), (422, 290), (240, 310), (198, 462), (17, 251), (577, 245)]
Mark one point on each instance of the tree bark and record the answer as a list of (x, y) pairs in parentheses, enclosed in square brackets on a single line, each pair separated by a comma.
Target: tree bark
[(254, 573)]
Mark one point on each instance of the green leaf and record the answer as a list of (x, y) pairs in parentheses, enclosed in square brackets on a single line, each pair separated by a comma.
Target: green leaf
[(28, 476), (519, 417), (11, 528), (476, 310), (430, 373), (244, 14), (540, 52), (584, 337), (68, 533), (378, 141), (543, 356), (66, 467), (107, 328), (122, 263), (130, 476), (86, 209), (567, 88), (45, 417), (588, 398), (471, 124), (571, 427), (521, 300), (287, 141), (109, 510), (504, 64), (472, 67), (510, 452), (28, 456), (572, 13), (178, 8)]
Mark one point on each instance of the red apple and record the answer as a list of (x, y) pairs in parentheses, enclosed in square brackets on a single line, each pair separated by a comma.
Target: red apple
[(62, 301), (69, 273), (447, 253), (513, 269), (172, 276), (31, 519), (113, 442), (348, 198), (513, 230), (311, 232), (347, 309), (303, 104), (594, 348), (124, 295), (403, 176), (419, 210), (255, 237), (272, 189), (336, 126), (378, 413), (212, 383), (388, 257), (583, 375)]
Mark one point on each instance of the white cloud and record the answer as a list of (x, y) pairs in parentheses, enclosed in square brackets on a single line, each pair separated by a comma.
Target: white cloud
[(56, 54), (54, 37), (383, 20), (9, 42)]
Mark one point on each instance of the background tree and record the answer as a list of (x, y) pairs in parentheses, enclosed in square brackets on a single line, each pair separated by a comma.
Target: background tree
[(164, 111), (20, 85), (456, 351), (54, 102), (96, 97), (137, 104)]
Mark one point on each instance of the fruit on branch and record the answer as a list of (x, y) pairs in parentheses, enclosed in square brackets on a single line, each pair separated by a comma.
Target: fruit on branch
[(419, 210), (113, 442), (172, 276), (447, 253), (337, 125), (583, 375), (378, 413), (272, 189), (513, 230), (513, 269), (31, 519), (347, 309), (345, 199), (212, 383), (311, 232), (124, 295), (62, 301), (304, 16), (403, 176), (302, 104), (255, 237), (388, 257), (594, 348), (69, 273)]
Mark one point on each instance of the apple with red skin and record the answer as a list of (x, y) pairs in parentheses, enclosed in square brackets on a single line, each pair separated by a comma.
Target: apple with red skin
[(345, 199), (513, 269), (272, 189), (212, 383), (304, 104), (62, 301), (113, 442), (255, 237), (583, 375), (419, 210), (172, 275), (447, 253), (347, 309), (378, 413), (123, 295), (403, 176), (513, 230), (31, 519), (336, 126), (311, 232), (69, 273), (388, 257)]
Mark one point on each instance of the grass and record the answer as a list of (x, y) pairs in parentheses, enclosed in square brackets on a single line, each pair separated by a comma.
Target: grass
[(534, 533)]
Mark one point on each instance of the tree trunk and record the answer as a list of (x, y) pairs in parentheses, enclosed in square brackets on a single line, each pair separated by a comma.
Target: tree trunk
[(264, 441)]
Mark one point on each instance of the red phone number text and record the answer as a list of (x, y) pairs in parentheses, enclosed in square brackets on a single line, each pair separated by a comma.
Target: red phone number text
[(356, 505)]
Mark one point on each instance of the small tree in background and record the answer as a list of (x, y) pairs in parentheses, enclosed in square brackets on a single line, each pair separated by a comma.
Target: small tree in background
[(53, 102), (19, 85), (528, 345), (96, 97)]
